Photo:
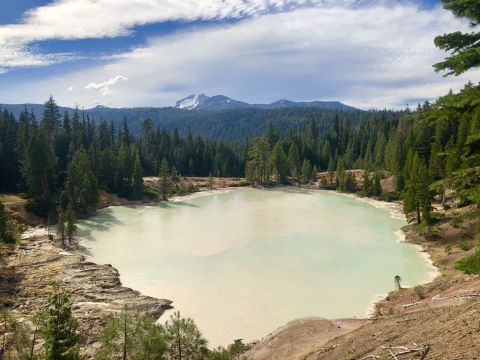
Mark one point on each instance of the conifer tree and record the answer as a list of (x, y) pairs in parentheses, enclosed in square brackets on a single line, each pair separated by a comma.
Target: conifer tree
[(417, 197), (164, 179), (259, 167), (367, 186), (464, 47), (61, 224), (60, 328), (184, 339), (40, 166), (132, 336), (137, 176), (51, 116), (377, 186), (81, 183), (279, 163), (71, 227), (306, 174), (294, 161)]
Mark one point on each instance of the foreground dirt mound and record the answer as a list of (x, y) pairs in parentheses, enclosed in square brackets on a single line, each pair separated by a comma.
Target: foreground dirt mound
[(298, 338), (451, 332)]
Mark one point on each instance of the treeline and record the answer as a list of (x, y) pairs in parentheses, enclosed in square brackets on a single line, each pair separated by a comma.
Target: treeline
[(236, 125), (127, 335), (63, 160), (428, 151)]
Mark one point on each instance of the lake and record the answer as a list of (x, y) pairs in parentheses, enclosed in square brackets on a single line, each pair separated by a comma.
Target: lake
[(244, 262)]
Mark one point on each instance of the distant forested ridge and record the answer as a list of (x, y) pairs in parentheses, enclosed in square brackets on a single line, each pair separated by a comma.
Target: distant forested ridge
[(233, 125)]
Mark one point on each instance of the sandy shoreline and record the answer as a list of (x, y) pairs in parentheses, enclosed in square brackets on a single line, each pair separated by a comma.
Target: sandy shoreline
[(396, 212)]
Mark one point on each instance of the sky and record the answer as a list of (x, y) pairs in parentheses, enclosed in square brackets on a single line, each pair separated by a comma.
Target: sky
[(126, 53)]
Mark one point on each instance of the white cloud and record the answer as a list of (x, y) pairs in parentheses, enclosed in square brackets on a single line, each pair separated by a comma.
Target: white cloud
[(104, 87), (376, 56), (70, 88), (82, 19)]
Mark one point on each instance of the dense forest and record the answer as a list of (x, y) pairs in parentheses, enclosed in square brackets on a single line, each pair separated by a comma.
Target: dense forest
[(433, 149), (68, 158), (235, 125)]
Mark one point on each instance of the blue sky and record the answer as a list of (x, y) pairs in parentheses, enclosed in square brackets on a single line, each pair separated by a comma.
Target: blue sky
[(367, 53)]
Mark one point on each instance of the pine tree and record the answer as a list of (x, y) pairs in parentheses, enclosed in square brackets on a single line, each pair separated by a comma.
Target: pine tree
[(132, 336), (81, 183), (367, 185), (137, 176), (71, 227), (349, 183), (60, 329), (417, 197), (164, 179), (51, 116), (279, 163), (61, 224), (464, 47), (40, 166), (294, 161), (184, 339), (306, 174), (272, 134), (259, 167), (377, 186)]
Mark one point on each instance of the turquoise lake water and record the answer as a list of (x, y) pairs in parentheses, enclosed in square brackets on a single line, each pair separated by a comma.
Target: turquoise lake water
[(245, 262)]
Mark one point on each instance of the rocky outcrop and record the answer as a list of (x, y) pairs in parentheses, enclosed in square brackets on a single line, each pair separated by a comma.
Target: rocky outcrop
[(96, 290)]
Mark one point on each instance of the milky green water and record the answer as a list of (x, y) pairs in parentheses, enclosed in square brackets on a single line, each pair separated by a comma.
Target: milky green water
[(245, 262)]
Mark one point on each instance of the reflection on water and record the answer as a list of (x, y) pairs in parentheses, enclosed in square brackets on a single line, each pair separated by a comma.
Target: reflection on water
[(245, 262)]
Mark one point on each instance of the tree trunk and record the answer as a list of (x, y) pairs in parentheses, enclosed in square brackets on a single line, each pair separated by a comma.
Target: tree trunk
[(33, 342), (125, 338)]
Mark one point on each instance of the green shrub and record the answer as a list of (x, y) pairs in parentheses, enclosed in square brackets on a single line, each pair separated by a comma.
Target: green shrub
[(391, 311), (465, 245), (448, 249), (150, 193), (241, 184), (470, 264), (39, 206), (456, 222), (390, 196)]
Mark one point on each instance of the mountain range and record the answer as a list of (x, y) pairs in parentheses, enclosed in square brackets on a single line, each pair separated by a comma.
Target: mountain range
[(216, 117), (221, 102)]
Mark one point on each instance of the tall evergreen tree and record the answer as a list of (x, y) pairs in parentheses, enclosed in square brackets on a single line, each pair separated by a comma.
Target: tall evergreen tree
[(259, 167), (60, 330), (40, 166), (71, 227), (137, 176), (51, 116), (464, 47), (279, 163), (164, 179), (184, 339)]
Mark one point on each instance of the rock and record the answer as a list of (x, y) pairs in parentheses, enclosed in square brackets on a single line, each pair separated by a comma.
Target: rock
[(96, 290)]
